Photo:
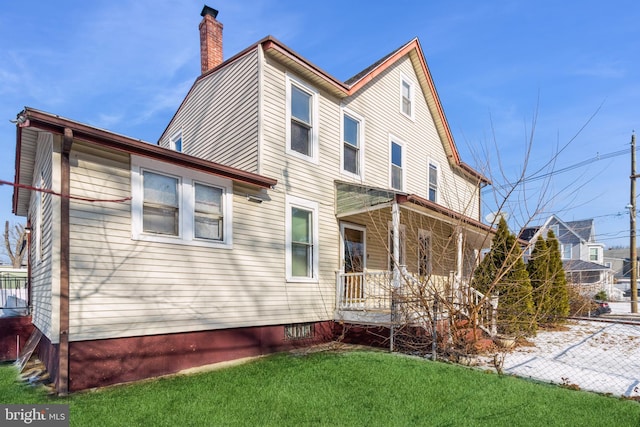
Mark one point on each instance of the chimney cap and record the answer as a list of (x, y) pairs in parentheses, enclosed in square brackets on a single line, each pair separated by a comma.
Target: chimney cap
[(206, 10)]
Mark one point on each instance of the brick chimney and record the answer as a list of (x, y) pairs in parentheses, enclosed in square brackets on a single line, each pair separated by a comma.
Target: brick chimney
[(210, 40)]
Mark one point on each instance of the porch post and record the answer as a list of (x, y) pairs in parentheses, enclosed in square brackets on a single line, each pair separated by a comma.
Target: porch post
[(458, 275), (395, 220), (395, 224)]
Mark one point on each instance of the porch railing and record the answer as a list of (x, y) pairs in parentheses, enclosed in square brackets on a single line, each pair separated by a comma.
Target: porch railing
[(372, 290), (14, 296), (367, 290)]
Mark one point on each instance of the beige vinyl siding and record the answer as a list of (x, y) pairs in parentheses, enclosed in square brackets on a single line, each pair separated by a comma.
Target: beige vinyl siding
[(123, 287), (379, 103), (45, 268), (304, 179), (219, 117), (443, 247)]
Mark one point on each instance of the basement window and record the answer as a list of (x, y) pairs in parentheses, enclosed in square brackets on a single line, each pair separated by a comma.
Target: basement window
[(298, 331)]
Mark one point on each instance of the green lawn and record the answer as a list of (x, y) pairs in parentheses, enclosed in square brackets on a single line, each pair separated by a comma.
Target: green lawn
[(335, 389)]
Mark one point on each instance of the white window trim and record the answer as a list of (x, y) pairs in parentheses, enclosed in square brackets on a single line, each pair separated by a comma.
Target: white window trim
[(562, 251), (357, 227), (430, 162), (345, 111), (172, 141), (186, 203), (292, 201), (412, 91), (556, 230), (392, 140), (315, 148)]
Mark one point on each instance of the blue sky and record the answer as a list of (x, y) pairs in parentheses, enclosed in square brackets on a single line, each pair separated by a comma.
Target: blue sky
[(567, 73)]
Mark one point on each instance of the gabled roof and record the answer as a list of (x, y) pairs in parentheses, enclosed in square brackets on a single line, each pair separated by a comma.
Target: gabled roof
[(32, 121), (581, 229), (278, 50)]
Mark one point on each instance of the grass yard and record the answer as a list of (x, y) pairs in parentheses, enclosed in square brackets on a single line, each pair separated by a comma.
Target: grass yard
[(360, 388)]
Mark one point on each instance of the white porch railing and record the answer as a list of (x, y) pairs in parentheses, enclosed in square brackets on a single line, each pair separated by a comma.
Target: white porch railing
[(372, 290), (367, 290)]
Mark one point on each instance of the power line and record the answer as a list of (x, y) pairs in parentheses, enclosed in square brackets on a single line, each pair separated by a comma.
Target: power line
[(536, 176)]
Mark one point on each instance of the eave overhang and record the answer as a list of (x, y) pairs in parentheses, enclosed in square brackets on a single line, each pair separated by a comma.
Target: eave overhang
[(31, 121)]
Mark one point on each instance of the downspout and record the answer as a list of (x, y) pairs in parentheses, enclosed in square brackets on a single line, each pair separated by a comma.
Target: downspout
[(65, 178), (30, 304)]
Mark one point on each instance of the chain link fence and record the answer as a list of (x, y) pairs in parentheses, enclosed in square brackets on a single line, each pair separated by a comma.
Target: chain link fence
[(601, 355)]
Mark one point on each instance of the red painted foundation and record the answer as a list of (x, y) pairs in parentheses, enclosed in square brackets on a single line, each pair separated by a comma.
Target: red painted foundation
[(13, 330), (103, 362)]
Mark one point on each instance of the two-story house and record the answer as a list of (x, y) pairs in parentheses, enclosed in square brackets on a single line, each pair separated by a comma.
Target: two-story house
[(582, 255), (278, 202)]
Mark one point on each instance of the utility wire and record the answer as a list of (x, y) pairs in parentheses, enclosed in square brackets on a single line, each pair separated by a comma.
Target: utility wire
[(536, 176), (47, 191)]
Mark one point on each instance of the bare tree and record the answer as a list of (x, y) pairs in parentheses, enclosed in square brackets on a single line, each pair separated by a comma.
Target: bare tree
[(433, 302), (15, 243)]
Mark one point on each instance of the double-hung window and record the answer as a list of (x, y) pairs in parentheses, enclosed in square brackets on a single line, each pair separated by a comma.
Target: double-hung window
[(208, 218), (593, 254), (566, 251), (301, 239), (160, 204), (396, 165), (171, 204), (433, 175), (302, 120), (352, 147), (407, 97)]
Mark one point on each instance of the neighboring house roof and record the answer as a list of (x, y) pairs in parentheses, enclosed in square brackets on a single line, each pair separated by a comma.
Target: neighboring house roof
[(528, 233), (575, 265), (31, 121), (276, 49), (582, 229)]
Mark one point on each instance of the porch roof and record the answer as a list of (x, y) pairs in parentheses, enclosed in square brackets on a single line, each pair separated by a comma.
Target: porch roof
[(353, 198)]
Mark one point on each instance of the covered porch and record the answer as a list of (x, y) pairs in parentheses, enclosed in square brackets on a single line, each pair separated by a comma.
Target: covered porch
[(405, 259)]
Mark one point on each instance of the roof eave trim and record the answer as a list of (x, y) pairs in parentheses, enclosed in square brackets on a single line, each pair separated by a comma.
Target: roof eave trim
[(56, 124)]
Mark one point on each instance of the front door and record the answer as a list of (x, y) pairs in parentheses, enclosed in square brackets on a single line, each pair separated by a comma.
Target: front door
[(353, 262)]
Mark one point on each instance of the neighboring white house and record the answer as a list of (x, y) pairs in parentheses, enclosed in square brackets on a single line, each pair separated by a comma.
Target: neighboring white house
[(582, 255), (275, 199)]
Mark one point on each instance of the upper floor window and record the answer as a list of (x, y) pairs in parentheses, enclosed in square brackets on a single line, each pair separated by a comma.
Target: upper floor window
[(301, 239), (397, 162), (556, 230), (302, 120), (352, 147), (171, 204), (566, 251), (175, 143), (433, 181), (406, 96), (593, 254)]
